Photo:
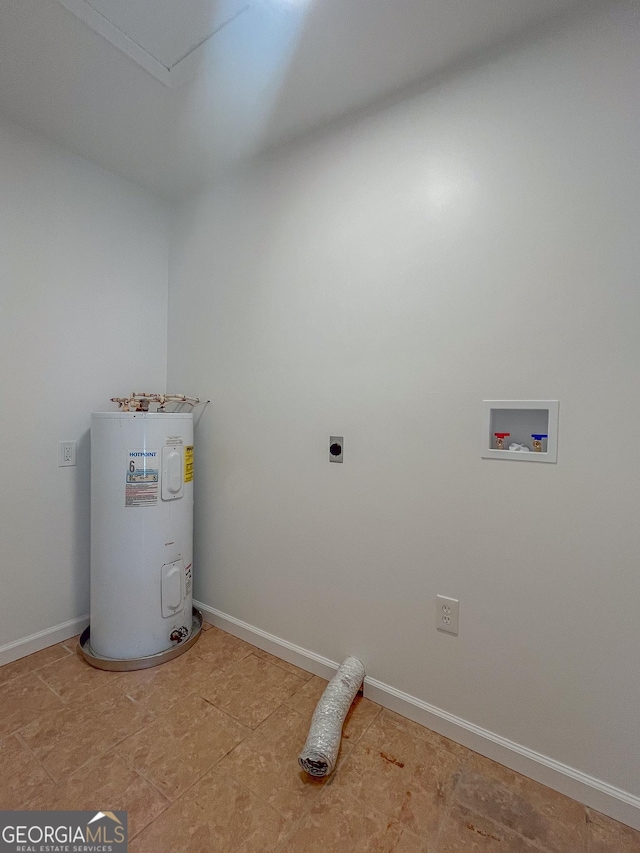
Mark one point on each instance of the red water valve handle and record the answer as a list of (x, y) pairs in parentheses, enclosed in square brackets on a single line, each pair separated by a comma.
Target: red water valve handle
[(502, 434)]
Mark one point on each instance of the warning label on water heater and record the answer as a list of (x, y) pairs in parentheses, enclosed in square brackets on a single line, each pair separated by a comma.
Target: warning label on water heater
[(188, 463), (142, 478)]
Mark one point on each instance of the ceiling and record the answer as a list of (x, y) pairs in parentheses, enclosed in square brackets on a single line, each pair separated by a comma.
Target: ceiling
[(168, 39), (169, 92)]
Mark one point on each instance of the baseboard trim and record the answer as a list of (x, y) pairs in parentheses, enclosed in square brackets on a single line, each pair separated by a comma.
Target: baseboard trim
[(296, 655), (35, 642), (595, 793)]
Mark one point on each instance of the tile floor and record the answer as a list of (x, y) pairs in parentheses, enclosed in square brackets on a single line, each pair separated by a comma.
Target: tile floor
[(202, 753)]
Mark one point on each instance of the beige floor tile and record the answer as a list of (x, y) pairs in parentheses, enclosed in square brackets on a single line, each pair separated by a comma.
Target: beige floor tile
[(162, 687), (540, 814), (181, 745), (72, 643), (32, 662), (22, 777), (72, 678), (202, 752), (337, 823), (409, 842), (605, 835), (429, 793), (206, 625), (66, 739), (377, 777), (221, 649), (361, 713), (403, 775), (106, 784), (465, 831), (283, 664), (23, 700), (267, 763), (218, 815), (393, 724), (251, 690)]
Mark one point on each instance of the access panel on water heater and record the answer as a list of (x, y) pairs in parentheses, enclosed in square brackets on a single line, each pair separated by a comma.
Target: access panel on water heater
[(173, 587), (172, 476)]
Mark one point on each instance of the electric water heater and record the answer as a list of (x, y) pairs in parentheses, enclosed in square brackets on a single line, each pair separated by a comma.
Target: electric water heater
[(141, 539)]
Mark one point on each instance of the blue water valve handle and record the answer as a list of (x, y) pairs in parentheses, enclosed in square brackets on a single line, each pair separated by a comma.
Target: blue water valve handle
[(539, 435)]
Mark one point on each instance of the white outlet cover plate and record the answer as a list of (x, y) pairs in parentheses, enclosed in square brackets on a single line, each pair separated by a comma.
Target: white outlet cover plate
[(66, 459), (447, 614)]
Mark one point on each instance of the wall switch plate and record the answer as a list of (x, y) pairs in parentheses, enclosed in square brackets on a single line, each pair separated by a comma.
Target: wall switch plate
[(66, 453), (447, 613), (336, 448)]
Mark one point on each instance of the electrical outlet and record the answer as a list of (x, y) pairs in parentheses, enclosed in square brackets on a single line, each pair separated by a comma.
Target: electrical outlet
[(66, 453), (447, 614)]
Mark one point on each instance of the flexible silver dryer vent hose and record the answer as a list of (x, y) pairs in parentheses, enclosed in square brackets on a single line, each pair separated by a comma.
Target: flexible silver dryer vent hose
[(320, 751)]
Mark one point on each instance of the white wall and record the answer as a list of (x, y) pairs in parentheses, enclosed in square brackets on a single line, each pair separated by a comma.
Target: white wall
[(83, 317), (479, 240)]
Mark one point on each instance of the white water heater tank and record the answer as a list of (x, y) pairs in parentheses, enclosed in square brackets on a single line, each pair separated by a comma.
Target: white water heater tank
[(141, 533)]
